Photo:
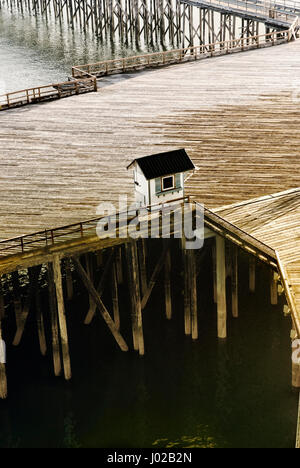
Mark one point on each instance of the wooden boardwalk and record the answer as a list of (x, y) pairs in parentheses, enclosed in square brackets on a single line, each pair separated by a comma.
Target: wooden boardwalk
[(237, 117), (275, 221), (61, 159)]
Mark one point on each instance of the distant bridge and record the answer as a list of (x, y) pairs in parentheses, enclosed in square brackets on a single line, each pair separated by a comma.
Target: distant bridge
[(180, 22)]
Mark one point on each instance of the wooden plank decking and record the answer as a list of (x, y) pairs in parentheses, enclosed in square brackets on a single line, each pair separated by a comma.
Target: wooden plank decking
[(275, 221), (237, 117)]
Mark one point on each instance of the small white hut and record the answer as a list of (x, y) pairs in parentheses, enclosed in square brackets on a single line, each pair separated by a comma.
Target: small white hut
[(159, 178)]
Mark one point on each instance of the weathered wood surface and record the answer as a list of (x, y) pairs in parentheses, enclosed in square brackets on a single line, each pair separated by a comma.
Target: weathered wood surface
[(237, 117), (275, 221)]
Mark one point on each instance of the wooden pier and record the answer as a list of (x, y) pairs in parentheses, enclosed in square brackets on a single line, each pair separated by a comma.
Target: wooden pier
[(237, 117), (181, 22)]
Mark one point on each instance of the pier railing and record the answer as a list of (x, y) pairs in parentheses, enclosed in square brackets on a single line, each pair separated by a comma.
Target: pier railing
[(282, 9), (72, 232), (186, 54), (48, 92)]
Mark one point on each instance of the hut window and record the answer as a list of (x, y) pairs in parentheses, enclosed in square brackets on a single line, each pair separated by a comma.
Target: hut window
[(168, 183)]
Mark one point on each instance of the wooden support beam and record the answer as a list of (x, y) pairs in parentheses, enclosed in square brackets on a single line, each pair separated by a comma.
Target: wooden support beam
[(69, 280), (154, 277), (40, 324), (54, 322), (187, 292), (252, 274), (134, 285), (119, 266), (142, 265), (2, 303), (274, 287), (93, 306), (24, 311), (235, 282), (214, 266), (295, 359), (3, 379), (168, 296), (103, 311), (115, 297), (221, 287), (193, 293), (17, 297), (62, 317)]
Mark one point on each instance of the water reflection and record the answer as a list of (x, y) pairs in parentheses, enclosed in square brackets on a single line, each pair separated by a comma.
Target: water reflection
[(41, 50), (182, 393)]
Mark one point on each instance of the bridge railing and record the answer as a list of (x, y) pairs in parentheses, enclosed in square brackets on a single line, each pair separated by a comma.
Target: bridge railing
[(47, 92), (168, 57), (281, 9)]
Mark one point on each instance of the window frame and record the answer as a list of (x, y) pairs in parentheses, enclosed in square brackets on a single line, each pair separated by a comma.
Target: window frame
[(169, 188)]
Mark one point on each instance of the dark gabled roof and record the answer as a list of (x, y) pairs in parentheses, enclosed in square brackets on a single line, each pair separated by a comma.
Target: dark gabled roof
[(163, 164)]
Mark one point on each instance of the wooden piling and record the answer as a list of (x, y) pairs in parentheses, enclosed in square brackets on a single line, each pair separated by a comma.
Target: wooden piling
[(136, 306), (69, 280), (100, 287), (142, 265), (214, 267), (187, 293), (221, 287), (115, 297), (252, 274), (40, 324), (54, 322), (168, 297), (96, 297), (193, 293), (295, 360), (235, 282), (274, 287), (23, 312), (3, 379), (62, 317)]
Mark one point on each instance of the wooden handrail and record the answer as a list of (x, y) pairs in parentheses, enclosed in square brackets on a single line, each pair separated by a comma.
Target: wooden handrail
[(109, 66), (23, 243), (289, 295), (39, 92)]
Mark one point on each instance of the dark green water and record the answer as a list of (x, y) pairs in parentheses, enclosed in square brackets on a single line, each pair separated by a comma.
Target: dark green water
[(181, 394)]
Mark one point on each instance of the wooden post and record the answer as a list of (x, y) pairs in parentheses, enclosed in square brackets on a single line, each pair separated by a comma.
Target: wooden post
[(40, 324), (103, 311), (3, 380), (168, 297), (61, 316), (115, 297), (235, 283), (69, 281), (193, 292), (119, 268), (252, 274), (295, 359), (187, 294), (154, 277), (221, 287), (214, 260), (134, 285), (2, 304), (142, 264), (24, 311), (273, 287), (54, 322), (17, 297)]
